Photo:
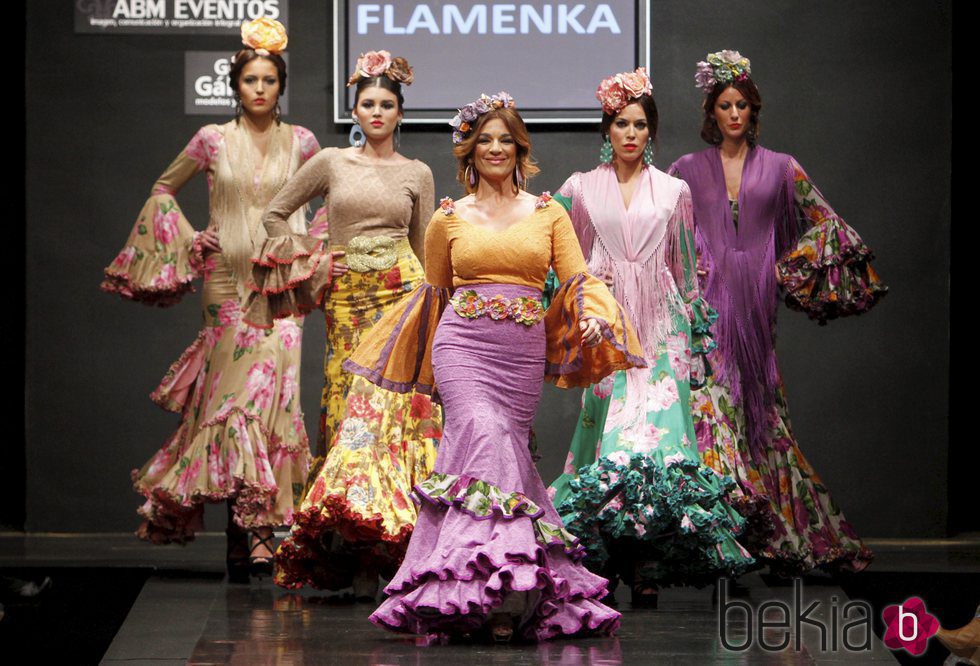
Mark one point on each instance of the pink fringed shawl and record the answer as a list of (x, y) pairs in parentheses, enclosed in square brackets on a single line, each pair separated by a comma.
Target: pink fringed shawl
[(639, 246)]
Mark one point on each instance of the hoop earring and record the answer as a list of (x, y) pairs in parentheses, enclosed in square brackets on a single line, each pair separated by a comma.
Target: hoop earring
[(356, 137), (470, 174), (648, 153), (397, 138), (606, 152)]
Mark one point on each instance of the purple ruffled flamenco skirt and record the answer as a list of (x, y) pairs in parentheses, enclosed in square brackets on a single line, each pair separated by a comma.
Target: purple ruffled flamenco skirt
[(486, 528)]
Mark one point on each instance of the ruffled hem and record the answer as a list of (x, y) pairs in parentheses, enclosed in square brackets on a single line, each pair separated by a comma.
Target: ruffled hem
[(300, 556), (482, 500), (251, 464), (675, 514), (469, 568), (161, 295), (568, 362), (760, 522), (178, 384), (396, 354), (836, 559), (702, 316), (169, 518), (161, 258), (452, 606), (290, 277), (829, 274)]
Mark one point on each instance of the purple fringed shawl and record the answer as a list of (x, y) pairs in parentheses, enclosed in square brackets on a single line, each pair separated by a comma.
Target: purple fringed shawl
[(741, 263)]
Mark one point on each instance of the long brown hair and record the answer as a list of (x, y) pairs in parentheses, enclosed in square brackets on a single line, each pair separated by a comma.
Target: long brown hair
[(518, 130)]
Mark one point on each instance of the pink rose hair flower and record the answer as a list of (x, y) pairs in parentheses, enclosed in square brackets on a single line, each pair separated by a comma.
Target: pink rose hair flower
[(381, 63), (616, 91)]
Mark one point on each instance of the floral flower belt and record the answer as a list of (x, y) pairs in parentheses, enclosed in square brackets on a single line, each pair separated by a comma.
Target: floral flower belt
[(370, 253), (522, 309)]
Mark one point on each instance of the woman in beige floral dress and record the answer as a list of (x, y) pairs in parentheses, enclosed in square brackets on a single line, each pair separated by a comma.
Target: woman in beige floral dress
[(241, 436)]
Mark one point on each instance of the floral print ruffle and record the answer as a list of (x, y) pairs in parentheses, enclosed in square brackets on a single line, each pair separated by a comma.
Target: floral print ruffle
[(828, 274), (381, 443), (161, 257), (483, 500), (241, 436), (794, 523), (675, 511)]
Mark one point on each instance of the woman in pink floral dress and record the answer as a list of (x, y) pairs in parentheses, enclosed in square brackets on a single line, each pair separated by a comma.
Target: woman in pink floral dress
[(241, 436)]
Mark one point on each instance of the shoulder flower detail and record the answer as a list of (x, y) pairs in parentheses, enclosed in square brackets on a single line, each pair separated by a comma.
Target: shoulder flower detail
[(447, 205), (543, 200)]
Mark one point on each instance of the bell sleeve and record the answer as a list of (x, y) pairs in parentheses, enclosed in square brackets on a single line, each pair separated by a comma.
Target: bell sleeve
[(682, 258), (568, 362), (163, 254), (828, 274), (396, 354), (291, 272)]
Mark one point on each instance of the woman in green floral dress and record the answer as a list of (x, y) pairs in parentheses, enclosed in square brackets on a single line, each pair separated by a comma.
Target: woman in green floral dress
[(634, 489)]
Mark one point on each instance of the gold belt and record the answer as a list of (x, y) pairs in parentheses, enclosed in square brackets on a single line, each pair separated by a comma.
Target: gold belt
[(371, 253)]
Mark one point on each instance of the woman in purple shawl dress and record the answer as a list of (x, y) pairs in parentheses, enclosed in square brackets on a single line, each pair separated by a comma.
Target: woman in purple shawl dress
[(489, 549), (762, 225), (634, 489)]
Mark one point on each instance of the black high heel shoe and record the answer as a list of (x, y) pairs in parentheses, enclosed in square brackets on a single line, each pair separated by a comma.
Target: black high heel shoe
[(260, 566), (644, 595), (236, 550), (236, 554)]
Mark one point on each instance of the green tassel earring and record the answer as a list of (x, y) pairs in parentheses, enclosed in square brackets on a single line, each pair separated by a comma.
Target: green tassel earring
[(606, 152), (648, 154)]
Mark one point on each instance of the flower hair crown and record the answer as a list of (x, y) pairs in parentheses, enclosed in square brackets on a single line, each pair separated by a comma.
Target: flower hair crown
[(616, 91), (265, 36), (721, 67), (462, 122), (380, 63)]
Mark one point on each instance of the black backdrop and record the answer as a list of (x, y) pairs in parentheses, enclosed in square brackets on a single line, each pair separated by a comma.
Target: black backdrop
[(858, 92)]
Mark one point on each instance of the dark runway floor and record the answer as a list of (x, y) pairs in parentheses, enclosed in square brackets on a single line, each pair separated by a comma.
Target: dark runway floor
[(185, 612)]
